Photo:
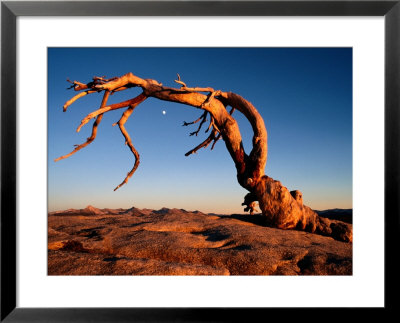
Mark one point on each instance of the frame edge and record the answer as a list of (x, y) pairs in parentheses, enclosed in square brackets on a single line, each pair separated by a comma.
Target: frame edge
[(8, 309), (392, 150), (8, 161)]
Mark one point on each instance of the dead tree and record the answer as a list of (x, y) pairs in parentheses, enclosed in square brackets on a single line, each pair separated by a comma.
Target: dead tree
[(281, 208)]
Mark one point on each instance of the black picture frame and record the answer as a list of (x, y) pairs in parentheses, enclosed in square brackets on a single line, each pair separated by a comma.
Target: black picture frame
[(10, 10)]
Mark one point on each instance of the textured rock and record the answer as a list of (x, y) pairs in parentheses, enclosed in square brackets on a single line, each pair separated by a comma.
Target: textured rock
[(285, 210), (178, 242), (297, 195)]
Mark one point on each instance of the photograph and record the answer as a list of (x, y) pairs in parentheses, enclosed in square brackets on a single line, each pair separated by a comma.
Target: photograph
[(161, 159), (200, 161)]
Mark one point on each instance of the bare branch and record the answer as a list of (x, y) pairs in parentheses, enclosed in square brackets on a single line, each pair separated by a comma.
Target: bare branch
[(76, 97), (210, 96), (127, 113), (218, 137), (204, 119), (204, 144), (140, 98), (192, 89), (78, 86), (94, 130), (197, 89), (213, 103), (122, 88), (128, 142), (102, 79), (180, 82), (210, 125), (195, 121), (274, 199)]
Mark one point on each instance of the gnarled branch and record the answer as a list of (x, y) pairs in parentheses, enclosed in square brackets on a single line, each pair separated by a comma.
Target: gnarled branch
[(276, 203), (215, 102), (94, 129)]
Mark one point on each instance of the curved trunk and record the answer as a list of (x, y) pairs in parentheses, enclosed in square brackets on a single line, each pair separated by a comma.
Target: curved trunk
[(282, 208)]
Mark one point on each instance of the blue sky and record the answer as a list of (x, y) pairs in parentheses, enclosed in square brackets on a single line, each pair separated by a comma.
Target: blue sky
[(303, 94)]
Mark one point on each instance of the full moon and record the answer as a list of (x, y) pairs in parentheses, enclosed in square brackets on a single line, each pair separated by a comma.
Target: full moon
[(164, 112)]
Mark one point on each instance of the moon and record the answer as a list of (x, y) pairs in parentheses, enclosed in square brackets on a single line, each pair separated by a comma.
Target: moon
[(164, 112)]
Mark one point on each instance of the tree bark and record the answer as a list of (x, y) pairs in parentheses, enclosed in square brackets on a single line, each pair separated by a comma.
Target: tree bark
[(281, 208)]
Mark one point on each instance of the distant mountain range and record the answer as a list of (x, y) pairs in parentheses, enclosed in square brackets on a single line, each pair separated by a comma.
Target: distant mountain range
[(91, 210), (345, 215)]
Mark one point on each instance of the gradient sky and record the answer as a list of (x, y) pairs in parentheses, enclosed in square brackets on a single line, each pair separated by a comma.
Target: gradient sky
[(303, 94)]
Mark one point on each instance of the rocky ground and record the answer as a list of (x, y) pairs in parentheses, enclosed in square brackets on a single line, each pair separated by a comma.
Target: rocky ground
[(135, 241)]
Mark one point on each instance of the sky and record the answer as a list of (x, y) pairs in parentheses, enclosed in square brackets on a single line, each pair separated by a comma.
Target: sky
[(303, 94)]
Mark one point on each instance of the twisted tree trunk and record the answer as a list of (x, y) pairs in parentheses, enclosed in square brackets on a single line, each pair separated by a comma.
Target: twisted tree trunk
[(282, 209)]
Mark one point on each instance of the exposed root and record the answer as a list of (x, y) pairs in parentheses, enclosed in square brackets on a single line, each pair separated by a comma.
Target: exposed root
[(250, 200)]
